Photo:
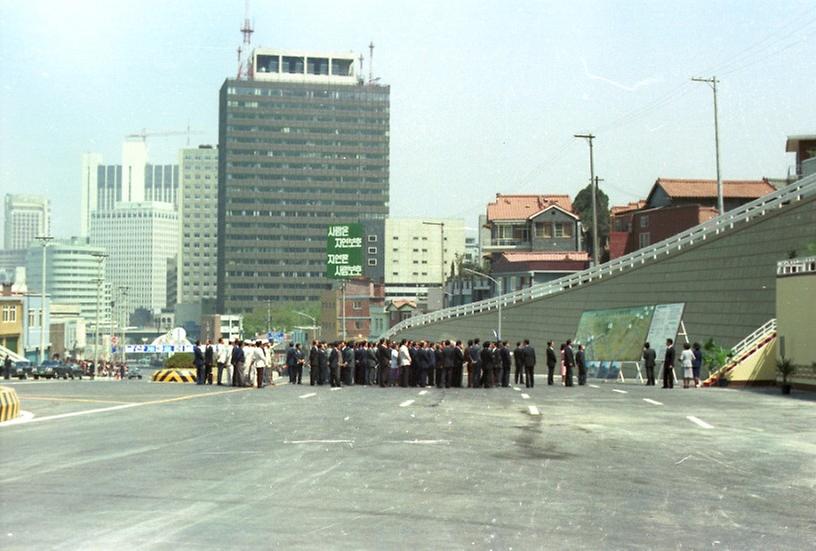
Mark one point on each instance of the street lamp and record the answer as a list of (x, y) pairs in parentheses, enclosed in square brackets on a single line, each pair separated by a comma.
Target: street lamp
[(100, 258), (499, 287), (44, 240), (314, 321), (123, 290), (441, 248)]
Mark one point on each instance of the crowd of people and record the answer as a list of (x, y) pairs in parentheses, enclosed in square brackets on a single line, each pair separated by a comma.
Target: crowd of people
[(240, 363)]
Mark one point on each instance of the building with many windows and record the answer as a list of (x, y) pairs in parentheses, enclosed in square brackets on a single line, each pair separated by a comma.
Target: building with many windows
[(198, 213), (26, 217), (303, 143), (139, 238)]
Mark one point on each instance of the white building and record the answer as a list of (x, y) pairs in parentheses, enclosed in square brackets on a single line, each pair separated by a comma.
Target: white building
[(198, 213), (72, 276), (26, 217), (419, 253), (140, 238)]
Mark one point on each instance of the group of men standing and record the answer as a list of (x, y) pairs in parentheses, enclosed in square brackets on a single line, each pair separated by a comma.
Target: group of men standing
[(243, 362), (570, 360)]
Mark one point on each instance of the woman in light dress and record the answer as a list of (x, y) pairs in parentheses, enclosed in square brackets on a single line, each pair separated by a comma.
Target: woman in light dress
[(687, 360)]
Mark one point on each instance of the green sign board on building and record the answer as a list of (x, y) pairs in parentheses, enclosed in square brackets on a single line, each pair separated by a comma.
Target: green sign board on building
[(344, 251)]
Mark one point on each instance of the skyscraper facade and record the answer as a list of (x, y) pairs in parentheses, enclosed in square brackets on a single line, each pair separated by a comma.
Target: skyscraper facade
[(303, 143), (26, 217), (198, 213)]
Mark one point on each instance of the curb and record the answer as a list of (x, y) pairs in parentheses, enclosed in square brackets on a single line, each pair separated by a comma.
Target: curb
[(9, 404), (174, 376)]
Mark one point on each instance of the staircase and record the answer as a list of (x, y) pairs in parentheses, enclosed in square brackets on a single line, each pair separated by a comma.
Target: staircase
[(744, 350), (7, 352)]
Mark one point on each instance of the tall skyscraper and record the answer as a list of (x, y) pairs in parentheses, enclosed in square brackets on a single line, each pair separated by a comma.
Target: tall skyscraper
[(26, 217), (198, 213), (139, 239), (135, 180), (303, 143)]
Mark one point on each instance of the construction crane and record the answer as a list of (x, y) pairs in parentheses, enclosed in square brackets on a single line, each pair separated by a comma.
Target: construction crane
[(143, 134)]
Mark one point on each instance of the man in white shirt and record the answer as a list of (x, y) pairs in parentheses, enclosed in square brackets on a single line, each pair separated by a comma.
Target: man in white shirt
[(404, 363), (222, 355)]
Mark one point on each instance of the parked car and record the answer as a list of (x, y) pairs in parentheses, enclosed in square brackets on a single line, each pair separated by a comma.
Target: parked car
[(22, 369), (50, 369), (134, 372), (74, 370)]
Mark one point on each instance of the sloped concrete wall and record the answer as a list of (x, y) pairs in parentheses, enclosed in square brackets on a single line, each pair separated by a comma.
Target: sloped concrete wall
[(727, 282)]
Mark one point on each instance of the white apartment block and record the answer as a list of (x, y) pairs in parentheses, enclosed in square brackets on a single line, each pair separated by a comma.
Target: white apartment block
[(419, 253), (198, 213), (26, 217), (140, 238), (73, 277)]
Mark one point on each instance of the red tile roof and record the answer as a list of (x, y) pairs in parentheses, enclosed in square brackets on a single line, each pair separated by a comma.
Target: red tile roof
[(619, 209), (735, 189), (545, 256), (521, 207)]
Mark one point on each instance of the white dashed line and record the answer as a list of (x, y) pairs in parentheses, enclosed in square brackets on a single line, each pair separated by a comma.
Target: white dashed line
[(525, 396), (423, 392), (422, 442), (336, 388), (533, 410), (318, 441), (594, 386), (655, 402), (406, 403), (516, 389), (619, 391), (699, 422), (308, 395)]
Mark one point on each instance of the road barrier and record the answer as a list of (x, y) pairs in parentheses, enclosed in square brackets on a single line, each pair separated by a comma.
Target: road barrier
[(9, 404), (174, 376)]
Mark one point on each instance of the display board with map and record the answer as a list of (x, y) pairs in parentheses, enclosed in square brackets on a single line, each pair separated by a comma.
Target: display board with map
[(618, 334)]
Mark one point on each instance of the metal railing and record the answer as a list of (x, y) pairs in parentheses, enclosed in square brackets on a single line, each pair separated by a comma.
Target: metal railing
[(796, 191), (8, 352), (763, 332)]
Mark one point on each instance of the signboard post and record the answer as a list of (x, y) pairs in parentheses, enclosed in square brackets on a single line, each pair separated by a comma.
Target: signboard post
[(344, 257)]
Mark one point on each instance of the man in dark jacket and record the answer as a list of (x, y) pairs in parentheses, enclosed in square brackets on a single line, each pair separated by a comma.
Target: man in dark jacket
[(348, 364), (649, 361), (504, 356), (237, 359), (383, 362), (446, 369), (335, 359), (551, 361), (486, 361), (323, 362), (529, 364), (371, 363), (668, 365), (475, 353), (209, 361), (291, 363), (314, 363), (569, 363), (580, 362), (518, 363), (198, 361), (458, 365)]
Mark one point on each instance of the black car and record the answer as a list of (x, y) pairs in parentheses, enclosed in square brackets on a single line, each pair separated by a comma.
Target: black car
[(22, 369), (134, 372), (50, 369)]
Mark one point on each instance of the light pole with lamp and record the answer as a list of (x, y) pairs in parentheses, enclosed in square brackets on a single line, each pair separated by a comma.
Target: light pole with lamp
[(123, 291), (314, 321), (499, 287), (44, 240), (100, 258), (713, 83)]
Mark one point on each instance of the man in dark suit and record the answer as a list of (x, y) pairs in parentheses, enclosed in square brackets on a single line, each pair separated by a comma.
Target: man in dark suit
[(323, 359), (314, 363), (371, 363), (360, 363), (649, 361), (198, 361), (348, 364), (291, 363), (335, 361), (504, 357), (580, 362), (518, 363), (458, 364), (209, 361), (299, 361), (383, 362), (237, 359), (668, 365), (569, 363), (486, 361), (551, 361), (529, 364), (475, 353), (446, 369)]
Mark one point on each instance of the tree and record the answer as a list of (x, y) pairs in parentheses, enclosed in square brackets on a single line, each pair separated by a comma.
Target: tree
[(582, 205), (141, 317), (281, 315)]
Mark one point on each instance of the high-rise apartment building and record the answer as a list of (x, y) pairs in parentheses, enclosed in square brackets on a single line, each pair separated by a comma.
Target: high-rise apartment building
[(135, 180), (303, 143), (26, 217), (139, 238), (198, 213), (73, 272)]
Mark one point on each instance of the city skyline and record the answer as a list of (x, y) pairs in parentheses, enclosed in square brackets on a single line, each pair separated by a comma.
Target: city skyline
[(472, 112)]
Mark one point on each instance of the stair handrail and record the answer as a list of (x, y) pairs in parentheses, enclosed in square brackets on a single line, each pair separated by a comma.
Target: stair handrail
[(796, 191), (765, 330)]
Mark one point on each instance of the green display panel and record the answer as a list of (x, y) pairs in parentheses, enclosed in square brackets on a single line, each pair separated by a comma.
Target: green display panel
[(344, 251)]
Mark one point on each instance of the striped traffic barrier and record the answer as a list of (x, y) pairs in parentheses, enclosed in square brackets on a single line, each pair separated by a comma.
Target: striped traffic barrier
[(174, 376), (9, 404)]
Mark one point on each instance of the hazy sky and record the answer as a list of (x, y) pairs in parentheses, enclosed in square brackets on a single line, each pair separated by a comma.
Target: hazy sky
[(485, 95)]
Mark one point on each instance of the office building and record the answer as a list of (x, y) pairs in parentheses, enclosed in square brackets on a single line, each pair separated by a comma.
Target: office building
[(135, 180), (140, 238), (26, 217), (303, 143), (72, 273), (198, 213), (419, 253)]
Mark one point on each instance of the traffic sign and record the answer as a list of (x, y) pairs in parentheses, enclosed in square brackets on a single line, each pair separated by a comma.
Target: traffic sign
[(344, 251)]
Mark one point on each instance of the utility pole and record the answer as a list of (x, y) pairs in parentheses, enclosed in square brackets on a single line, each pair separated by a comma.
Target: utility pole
[(123, 290), (44, 240), (343, 306), (713, 83), (441, 254), (499, 289), (268, 316), (594, 184), (100, 258)]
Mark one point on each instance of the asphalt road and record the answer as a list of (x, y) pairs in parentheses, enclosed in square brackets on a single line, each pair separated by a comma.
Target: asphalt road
[(140, 465)]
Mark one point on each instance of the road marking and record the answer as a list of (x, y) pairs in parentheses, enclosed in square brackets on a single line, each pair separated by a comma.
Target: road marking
[(24, 417), (406, 403), (681, 461), (420, 441), (594, 386), (308, 395), (336, 388), (516, 389), (699, 422), (533, 410), (525, 396), (655, 402), (86, 400), (423, 392), (318, 441), (19, 421), (619, 391)]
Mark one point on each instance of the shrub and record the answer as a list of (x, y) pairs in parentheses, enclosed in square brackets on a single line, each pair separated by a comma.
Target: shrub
[(181, 360)]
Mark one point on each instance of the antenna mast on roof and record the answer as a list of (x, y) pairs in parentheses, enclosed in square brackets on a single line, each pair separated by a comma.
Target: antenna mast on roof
[(245, 65), (371, 62)]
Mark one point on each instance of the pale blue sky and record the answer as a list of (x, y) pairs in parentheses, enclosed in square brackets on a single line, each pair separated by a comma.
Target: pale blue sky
[(486, 95)]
